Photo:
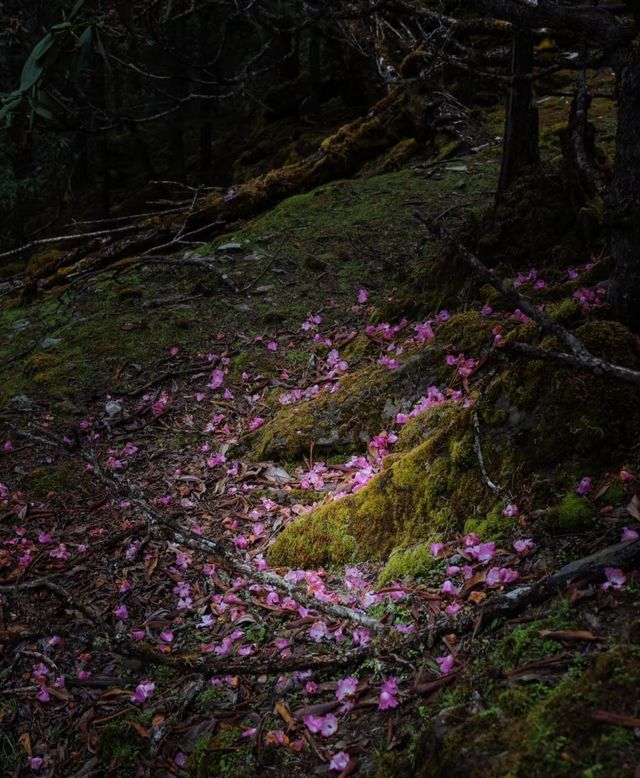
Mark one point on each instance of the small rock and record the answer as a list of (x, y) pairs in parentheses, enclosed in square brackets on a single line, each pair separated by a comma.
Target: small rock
[(21, 401), (21, 324), (445, 721), (230, 247), (49, 342), (113, 408), (276, 475)]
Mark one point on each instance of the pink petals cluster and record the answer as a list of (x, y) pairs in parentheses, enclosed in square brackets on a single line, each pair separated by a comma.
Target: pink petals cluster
[(446, 663), (389, 694), (526, 278), (589, 299), (322, 725), (585, 486), (466, 367), (616, 579), (433, 398), (144, 690), (501, 575), (295, 395)]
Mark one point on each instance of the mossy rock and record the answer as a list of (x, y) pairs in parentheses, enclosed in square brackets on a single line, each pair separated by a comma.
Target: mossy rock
[(572, 515), (419, 493), (567, 414), (538, 424), (346, 420)]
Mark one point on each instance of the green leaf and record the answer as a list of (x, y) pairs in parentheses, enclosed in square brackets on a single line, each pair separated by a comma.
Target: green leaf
[(7, 110), (76, 8), (39, 109), (85, 44), (32, 69)]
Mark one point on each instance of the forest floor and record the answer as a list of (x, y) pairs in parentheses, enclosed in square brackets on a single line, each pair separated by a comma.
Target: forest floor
[(180, 595)]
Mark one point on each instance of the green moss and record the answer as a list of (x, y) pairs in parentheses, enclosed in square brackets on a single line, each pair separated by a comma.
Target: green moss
[(208, 698), (465, 331), (564, 413), (119, 748), (591, 416), (614, 495), (222, 754), (51, 479), (421, 492), (540, 729), (572, 515), (417, 562), (523, 643), (494, 526), (564, 311), (338, 422)]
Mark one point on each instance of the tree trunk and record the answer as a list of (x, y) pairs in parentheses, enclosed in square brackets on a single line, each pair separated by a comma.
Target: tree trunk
[(99, 146), (624, 200), (520, 150), (206, 106)]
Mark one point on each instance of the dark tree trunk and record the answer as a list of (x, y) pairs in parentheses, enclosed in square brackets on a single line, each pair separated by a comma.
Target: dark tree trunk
[(624, 201), (99, 146), (206, 106), (176, 120), (520, 151)]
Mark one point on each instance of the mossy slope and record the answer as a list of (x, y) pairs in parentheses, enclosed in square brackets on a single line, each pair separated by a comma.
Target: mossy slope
[(541, 426)]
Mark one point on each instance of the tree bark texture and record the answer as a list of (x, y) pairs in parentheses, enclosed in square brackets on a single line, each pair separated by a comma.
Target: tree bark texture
[(624, 199), (520, 151)]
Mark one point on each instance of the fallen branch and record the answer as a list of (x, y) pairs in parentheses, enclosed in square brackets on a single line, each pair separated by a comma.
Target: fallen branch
[(71, 239), (202, 264), (622, 555), (198, 543), (562, 358), (210, 665), (581, 356), (58, 591), (477, 446)]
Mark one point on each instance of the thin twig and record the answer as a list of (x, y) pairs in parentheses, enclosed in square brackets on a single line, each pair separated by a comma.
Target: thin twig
[(581, 356)]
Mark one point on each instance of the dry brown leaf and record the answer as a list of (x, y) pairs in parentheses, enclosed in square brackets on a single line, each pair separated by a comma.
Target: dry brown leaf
[(633, 508), (619, 719), (568, 634), (282, 709), (25, 742), (150, 565), (60, 694), (603, 489), (140, 729)]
